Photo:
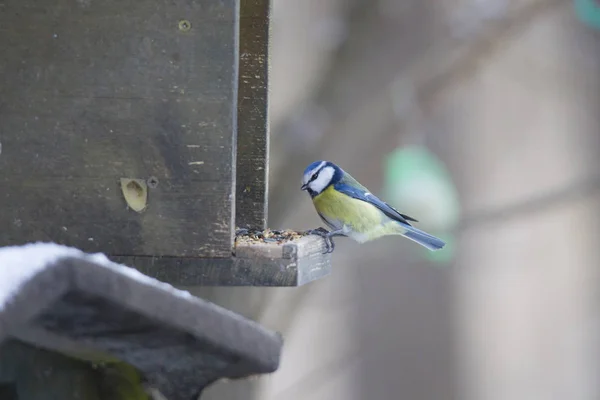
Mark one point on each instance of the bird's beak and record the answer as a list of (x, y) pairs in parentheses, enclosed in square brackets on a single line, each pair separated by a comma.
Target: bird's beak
[(304, 187)]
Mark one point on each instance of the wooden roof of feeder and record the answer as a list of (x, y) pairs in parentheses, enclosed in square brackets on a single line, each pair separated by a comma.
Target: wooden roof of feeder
[(60, 299)]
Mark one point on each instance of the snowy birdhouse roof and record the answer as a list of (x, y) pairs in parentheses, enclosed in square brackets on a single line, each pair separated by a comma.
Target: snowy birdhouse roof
[(64, 300)]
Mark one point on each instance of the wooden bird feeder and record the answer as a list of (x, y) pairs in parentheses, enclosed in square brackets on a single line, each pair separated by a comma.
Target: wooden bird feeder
[(139, 129)]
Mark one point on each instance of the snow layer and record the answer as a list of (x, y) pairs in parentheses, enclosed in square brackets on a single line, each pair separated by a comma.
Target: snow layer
[(18, 264)]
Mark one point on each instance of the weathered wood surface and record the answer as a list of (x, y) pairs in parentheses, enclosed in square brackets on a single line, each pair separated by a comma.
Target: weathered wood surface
[(91, 92), (253, 121), (101, 312), (292, 264)]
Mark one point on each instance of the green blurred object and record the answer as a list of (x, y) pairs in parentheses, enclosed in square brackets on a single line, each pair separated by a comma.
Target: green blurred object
[(588, 11), (116, 380), (417, 183), (121, 381)]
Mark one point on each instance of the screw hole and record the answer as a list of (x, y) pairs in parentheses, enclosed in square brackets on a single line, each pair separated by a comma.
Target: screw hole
[(185, 25), (152, 182)]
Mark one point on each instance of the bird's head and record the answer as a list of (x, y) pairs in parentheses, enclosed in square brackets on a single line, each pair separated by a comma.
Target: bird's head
[(319, 175)]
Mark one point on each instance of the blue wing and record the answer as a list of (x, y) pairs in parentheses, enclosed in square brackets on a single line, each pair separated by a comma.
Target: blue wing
[(360, 193)]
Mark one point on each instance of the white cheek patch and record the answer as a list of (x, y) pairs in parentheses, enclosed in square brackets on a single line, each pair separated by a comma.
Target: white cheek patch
[(323, 180)]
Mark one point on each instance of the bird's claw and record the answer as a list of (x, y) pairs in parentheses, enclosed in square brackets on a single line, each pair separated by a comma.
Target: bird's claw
[(325, 234), (320, 231)]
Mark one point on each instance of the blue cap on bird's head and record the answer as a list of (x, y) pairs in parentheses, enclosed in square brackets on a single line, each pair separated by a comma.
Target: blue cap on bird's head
[(314, 165)]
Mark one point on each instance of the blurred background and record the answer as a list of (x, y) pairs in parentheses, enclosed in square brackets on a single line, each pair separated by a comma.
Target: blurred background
[(480, 118)]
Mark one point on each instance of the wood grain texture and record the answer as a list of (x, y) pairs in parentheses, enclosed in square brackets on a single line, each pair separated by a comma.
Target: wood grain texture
[(253, 121), (293, 264), (91, 92)]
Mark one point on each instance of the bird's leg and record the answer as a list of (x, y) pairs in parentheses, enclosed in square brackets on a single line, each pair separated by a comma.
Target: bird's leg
[(324, 233), (328, 236)]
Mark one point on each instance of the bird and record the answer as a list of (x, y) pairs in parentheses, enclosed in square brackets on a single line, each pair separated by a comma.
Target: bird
[(351, 210)]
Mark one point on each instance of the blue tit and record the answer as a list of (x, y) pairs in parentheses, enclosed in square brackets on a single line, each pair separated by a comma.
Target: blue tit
[(350, 210)]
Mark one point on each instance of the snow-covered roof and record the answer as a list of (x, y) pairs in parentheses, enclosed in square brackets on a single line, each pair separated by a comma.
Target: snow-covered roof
[(85, 301)]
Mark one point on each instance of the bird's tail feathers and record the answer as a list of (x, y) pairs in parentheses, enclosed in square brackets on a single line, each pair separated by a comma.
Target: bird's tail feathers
[(423, 238)]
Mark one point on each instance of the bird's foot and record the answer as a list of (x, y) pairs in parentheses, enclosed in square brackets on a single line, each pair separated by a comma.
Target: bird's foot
[(325, 234)]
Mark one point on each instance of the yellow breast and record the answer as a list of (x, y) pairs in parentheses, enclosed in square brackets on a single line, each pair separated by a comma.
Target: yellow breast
[(358, 215)]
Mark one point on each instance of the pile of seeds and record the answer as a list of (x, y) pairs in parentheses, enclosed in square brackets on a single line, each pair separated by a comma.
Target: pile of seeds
[(250, 235)]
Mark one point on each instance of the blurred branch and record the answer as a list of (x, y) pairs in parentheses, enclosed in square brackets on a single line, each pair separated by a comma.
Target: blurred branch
[(573, 192), (469, 52)]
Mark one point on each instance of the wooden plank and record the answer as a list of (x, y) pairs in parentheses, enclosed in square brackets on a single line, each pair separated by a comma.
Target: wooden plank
[(254, 264), (91, 92), (253, 121)]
